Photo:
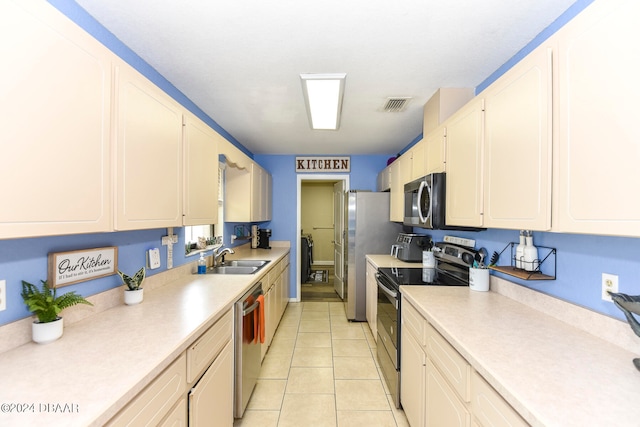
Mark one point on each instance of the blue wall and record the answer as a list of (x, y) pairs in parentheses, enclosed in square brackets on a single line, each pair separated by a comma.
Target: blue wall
[(26, 259), (581, 260), (364, 172)]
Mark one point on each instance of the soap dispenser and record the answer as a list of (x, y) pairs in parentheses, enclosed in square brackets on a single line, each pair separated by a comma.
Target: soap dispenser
[(530, 253), (520, 250), (202, 264)]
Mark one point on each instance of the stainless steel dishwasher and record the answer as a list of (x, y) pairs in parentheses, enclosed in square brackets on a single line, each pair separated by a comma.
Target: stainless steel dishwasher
[(248, 346)]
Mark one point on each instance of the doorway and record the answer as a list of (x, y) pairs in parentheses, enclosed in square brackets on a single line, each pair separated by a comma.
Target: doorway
[(320, 220)]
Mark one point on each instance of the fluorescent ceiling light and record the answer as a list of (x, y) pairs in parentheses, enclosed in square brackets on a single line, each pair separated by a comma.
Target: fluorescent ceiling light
[(323, 96)]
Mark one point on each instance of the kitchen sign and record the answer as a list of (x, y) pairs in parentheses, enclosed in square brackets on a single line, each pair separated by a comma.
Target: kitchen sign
[(323, 164), (67, 268)]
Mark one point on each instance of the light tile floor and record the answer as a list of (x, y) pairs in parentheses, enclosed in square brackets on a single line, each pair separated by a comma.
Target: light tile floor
[(321, 370)]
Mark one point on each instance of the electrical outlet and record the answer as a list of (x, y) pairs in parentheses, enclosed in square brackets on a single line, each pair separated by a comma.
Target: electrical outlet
[(3, 295), (153, 258), (609, 283)]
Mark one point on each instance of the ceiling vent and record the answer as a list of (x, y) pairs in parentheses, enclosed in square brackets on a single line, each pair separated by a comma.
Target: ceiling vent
[(396, 104)]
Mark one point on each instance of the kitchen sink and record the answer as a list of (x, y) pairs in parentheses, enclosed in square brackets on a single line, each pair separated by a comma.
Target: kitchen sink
[(241, 266), (246, 263), (225, 269)]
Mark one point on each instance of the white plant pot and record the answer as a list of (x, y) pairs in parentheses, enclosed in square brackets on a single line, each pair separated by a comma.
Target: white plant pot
[(133, 297), (44, 333)]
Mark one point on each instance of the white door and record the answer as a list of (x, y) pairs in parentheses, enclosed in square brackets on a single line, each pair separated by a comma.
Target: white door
[(338, 237)]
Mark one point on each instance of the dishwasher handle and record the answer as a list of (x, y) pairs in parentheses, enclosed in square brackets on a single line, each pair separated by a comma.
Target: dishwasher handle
[(252, 308)]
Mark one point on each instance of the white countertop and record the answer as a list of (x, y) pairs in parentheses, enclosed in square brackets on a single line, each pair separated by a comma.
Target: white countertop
[(552, 373), (102, 362), (387, 261)]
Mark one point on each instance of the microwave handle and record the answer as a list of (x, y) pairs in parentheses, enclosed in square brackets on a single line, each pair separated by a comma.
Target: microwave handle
[(423, 184)]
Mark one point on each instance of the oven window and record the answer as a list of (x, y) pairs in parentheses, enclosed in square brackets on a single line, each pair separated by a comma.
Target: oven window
[(388, 317)]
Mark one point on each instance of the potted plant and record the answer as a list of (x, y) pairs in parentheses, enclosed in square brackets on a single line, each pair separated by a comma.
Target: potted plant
[(46, 305), (134, 292)]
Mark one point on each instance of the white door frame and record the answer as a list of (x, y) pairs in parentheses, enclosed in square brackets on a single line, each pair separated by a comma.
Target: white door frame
[(309, 177)]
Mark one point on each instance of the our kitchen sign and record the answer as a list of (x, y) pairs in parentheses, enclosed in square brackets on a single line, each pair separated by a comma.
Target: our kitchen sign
[(323, 164), (67, 268)]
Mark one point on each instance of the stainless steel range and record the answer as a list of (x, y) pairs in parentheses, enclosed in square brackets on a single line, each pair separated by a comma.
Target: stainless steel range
[(452, 269)]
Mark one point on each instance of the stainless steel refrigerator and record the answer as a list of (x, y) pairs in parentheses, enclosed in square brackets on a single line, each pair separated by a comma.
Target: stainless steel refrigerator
[(368, 231)]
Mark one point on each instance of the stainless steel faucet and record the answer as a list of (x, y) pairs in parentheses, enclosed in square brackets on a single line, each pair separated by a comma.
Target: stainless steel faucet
[(220, 253)]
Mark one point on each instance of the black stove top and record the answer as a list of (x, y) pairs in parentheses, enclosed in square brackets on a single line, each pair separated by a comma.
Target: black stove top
[(441, 276)]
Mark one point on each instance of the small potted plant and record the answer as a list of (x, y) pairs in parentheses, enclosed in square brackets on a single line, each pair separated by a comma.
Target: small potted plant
[(46, 305), (134, 292)]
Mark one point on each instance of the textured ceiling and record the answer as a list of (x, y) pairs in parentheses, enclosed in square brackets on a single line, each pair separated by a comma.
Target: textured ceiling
[(240, 61)]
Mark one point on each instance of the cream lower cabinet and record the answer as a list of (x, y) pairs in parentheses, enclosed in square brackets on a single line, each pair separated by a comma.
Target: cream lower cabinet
[(275, 286), (443, 406), (517, 145), (269, 315), (55, 125), (489, 408), (211, 399), (596, 151), (413, 362), (464, 167), (438, 387), (148, 154), (157, 400), (372, 299), (200, 153), (201, 378)]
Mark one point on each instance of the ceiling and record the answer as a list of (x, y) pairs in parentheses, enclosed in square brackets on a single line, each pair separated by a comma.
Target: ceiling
[(240, 60)]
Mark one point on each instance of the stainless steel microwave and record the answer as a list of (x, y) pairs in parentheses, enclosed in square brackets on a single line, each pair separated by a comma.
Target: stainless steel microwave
[(424, 202)]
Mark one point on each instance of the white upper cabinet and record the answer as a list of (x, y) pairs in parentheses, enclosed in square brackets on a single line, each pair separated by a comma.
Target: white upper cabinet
[(248, 194), (464, 167), (597, 154), (435, 151), (518, 149), (55, 92), (399, 175), (383, 182), (260, 194), (200, 172), (233, 156), (148, 154), (418, 160)]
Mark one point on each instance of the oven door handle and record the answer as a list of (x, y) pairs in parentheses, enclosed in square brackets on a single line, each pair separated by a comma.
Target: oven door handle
[(390, 293)]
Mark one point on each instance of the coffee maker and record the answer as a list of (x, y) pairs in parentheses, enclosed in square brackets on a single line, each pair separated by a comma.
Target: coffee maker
[(260, 237)]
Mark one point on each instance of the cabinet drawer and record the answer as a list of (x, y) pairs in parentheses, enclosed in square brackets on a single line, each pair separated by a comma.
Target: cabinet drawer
[(155, 401), (452, 365), (177, 417), (413, 322), (489, 407), (207, 347), (444, 407)]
